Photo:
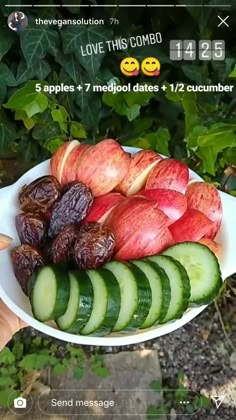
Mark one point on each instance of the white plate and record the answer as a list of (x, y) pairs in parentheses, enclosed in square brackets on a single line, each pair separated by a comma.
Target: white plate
[(14, 298)]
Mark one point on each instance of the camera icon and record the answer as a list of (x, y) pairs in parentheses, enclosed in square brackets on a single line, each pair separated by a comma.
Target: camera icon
[(20, 402)]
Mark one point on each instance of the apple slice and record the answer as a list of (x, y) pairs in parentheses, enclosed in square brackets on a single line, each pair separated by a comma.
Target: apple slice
[(132, 215), (150, 239), (206, 198), (215, 247), (172, 203), (169, 174), (59, 158), (71, 165), (192, 226), (102, 207), (140, 166), (103, 166)]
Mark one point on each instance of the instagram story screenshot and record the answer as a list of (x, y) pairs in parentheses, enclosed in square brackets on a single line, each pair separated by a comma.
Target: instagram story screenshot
[(118, 209)]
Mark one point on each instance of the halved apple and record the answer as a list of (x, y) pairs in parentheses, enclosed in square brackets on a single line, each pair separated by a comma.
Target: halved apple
[(169, 174), (206, 198), (103, 167), (102, 207), (133, 215), (172, 203), (140, 166), (71, 165), (59, 158), (192, 226)]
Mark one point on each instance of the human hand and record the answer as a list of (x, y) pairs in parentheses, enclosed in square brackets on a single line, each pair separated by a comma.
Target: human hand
[(9, 322)]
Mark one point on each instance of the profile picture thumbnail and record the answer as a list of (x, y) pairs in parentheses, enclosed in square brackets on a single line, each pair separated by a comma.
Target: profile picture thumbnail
[(17, 21)]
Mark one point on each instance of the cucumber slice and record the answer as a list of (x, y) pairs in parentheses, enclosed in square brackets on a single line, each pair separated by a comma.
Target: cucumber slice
[(135, 294), (160, 288), (179, 285), (106, 304), (80, 303), (50, 291), (203, 270)]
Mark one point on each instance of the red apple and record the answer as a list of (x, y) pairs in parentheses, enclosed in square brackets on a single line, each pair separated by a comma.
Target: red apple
[(205, 197), (150, 239), (169, 174), (140, 166), (69, 173), (192, 226), (102, 207), (215, 247), (103, 167), (133, 215), (172, 203), (59, 158)]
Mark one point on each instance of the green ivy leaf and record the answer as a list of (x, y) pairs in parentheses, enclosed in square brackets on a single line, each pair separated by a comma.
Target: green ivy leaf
[(3, 91), (6, 356), (53, 144), (36, 42), (34, 361), (233, 72), (7, 132), (60, 368), (156, 386), (98, 366), (71, 66), (60, 115), (42, 69), (77, 131), (28, 100), (47, 131), (6, 381), (7, 40), (7, 397), (6, 75), (78, 373), (74, 38), (192, 119)]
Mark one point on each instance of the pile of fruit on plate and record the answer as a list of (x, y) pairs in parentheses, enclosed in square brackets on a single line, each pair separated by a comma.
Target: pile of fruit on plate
[(113, 242)]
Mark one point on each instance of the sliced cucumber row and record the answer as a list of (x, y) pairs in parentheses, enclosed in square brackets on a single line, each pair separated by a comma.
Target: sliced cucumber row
[(124, 296)]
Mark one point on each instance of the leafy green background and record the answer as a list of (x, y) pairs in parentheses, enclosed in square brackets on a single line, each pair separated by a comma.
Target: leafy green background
[(199, 128)]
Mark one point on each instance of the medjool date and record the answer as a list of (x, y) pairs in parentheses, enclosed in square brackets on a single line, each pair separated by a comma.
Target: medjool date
[(62, 245), (31, 228), (94, 246), (26, 260), (40, 195), (71, 208)]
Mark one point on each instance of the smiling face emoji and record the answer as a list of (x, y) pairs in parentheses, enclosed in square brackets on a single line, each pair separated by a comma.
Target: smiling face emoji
[(151, 66), (129, 66)]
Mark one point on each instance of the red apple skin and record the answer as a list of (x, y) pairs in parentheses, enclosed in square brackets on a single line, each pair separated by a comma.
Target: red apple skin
[(172, 203), (169, 174), (206, 198), (140, 166), (192, 226), (215, 247), (148, 240), (102, 206), (59, 158), (133, 215), (69, 173), (103, 167)]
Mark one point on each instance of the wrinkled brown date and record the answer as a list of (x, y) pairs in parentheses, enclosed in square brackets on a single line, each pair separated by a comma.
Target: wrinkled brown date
[(62, 245), (71, 208), (94, 245), (26, 260), (40, 195), (31, 228)]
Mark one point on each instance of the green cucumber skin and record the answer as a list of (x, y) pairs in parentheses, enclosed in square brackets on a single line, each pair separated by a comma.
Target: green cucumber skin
[(113, 304), (85, 302), (186, 289), (203, 300), (63, 291), (144, 298), (166, 290)]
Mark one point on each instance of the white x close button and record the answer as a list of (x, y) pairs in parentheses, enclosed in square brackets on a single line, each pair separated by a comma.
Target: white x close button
[(223, 21)]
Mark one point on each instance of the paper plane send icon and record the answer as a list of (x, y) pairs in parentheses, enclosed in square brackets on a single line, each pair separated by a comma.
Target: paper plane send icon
[(218, 399)]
